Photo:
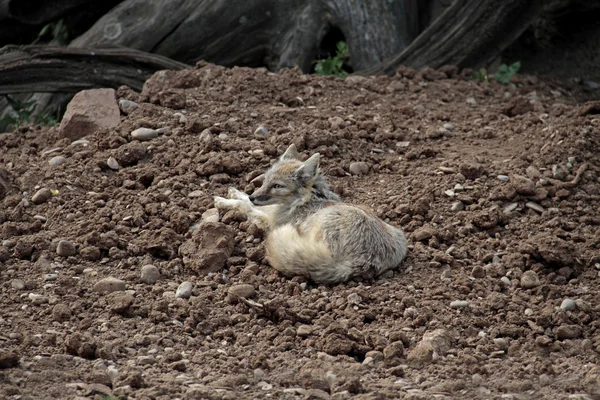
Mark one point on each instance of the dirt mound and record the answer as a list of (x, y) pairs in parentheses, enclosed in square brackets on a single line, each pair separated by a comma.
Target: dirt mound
[(496, 186)]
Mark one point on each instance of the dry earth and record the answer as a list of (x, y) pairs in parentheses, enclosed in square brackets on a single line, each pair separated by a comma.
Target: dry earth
[(498, 188)]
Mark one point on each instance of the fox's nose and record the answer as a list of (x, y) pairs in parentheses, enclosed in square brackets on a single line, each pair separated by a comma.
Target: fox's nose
[(251, 198)]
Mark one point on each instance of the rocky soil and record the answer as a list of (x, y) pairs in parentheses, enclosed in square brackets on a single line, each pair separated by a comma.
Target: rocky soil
[(118, 278)]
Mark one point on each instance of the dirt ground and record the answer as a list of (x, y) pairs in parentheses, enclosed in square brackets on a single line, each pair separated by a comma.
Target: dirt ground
[(497, 188)]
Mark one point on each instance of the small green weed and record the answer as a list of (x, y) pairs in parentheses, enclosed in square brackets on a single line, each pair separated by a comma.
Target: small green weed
[(57, 31), (22, 114), (333, 65), (506, 72), (481, 75)]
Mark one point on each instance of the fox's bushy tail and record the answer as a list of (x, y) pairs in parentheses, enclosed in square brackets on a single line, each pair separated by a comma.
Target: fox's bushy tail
[(293, 254)]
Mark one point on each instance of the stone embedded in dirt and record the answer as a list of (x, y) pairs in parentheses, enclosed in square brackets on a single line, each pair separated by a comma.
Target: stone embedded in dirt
[(568, 305), (109, 285), (359, 168), (17, 284), (113, 163), (149, 274), (459, 304), (8, 359), (534, 206), (38, 299), (243, 290), (261, 131), (568, 332), (471, 171), (433, 345), (41, 196), (184, 291), (552, 250), (457, 206), (304, 330), (119, 302), (210, 215), (50, 277), (530, 280), (424, 233), (144, 134), (560, 172), (89, 111), (128, 106), (57, 160), (90, 253), (522, 184), (65, 249), (503, 178), (61, 312), (208, 249)]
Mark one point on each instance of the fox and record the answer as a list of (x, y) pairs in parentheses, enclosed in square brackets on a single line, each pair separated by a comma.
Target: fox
[(310, 231)]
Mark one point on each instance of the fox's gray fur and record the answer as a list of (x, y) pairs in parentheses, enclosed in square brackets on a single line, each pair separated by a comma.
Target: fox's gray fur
[(310, 231)]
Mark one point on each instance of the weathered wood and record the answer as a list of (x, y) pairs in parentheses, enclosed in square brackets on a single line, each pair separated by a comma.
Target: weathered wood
[(27, 69), (257, 32), (470, 33), (35, 12)]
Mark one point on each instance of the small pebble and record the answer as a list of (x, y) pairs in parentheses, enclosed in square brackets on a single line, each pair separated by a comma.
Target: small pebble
[(505, 280), (144, 134), (113, 163), (128, 106), (243, 290), (210, 215), (149, 274), (568, 305), (354, 299), (17, 284), (530, 280), (50, 277), (528, 312), (503, 178), (359, 168), (448, 127), (560, 172), (65, 249), (184, 291), (41, 196), (261, 131), (38, 299), (534, 206), (459, 304), (57, 160), (109, 285), (510, 208), (471, 100)]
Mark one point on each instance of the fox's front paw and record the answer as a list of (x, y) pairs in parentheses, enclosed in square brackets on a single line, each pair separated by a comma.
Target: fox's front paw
[(221, 203)]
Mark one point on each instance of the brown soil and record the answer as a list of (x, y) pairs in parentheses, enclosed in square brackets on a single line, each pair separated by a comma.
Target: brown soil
[(509, 266)]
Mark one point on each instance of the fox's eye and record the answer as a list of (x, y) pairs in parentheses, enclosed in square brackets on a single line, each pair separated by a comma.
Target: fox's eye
[(276, 186)]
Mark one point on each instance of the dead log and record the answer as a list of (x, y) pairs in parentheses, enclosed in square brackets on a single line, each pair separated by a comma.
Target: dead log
[(28, 69)]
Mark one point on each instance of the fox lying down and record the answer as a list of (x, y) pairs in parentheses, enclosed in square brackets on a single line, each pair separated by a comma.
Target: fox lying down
[(310, 231)]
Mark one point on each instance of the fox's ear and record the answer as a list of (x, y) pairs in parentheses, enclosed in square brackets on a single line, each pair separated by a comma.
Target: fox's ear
[(290, 154), (309, 168)]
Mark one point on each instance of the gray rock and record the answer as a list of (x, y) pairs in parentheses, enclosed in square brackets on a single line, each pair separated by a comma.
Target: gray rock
[(459, 304), (534, 206), (144, 134), (304, 330), (89, 111), (113, 163), (530, 280), (211, 215), (261, 131), (560, 172), (57, 160), (109, 285), (457, 206), (503, 178), (149, 274), (359, 168), (128, 106), (568, 305), (448, 127), (50, 277), (17, 284), (184, 291), (38, 299), (65, 249), (41, 196)]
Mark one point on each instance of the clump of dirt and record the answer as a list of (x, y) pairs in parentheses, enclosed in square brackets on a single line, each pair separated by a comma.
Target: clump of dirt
[(496, 186)]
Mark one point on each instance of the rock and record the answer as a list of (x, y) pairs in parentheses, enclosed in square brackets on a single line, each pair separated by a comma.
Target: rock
[(17, 284), (568, 305), (459, 304), (88, 111), (195, 194), (61, 312), (8, 359), (38, 299), (184, 291), (50, 277), (113, 163), (261, 131), (471, 171), (503, 178), (552, 250), (359, 168), (208, 249), (424, 233), (65, 249), (568, 332), (534, 206), (448, 127), (560, 172), (41, 196), (57, 160), (457, 206), (90, 253), (119, 302), (109, 285), (243, 290), (510, 208), (127, 106), (533, 172), (354, 299), (434, 344), (149, 274), (144, 134), (304, 330), (530, 280), (210, 215), (523, 185)]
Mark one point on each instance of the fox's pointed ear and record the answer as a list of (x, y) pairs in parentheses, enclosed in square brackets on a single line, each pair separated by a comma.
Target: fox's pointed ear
[(290, 154), (309, 168)]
